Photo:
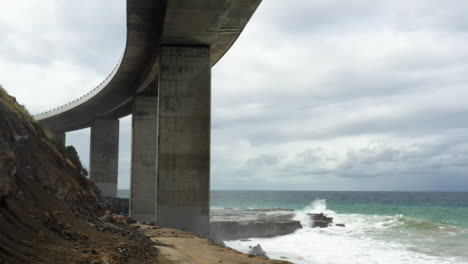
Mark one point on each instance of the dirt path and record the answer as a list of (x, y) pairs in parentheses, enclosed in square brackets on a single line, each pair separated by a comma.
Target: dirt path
[(187, 248)]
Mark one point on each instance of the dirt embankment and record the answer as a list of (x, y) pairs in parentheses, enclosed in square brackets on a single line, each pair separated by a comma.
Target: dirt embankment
[(49, 211)]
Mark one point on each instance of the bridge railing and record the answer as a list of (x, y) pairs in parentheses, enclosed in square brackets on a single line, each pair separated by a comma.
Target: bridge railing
[(81, 99)]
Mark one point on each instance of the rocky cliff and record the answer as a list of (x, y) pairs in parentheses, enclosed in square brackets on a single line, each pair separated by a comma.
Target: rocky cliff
[(49, 211)]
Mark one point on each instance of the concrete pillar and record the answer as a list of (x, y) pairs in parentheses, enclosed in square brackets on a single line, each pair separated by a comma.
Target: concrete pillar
[(104, 155), (144, 146), (184, 138)]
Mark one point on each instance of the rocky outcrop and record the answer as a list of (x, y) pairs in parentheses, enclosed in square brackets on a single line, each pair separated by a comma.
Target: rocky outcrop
[(257, 251), (320, 220), (230, 230)]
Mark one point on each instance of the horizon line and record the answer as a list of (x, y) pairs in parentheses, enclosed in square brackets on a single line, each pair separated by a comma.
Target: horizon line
[(276, 190)]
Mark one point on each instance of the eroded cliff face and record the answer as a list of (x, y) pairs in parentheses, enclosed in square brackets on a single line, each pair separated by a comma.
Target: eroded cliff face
[(31, 163), (49, 211)]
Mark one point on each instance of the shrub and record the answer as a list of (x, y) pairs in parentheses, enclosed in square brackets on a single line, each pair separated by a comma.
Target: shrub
[(72, 155)]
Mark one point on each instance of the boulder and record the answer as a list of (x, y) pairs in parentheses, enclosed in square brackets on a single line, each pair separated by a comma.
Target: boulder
[(320, 220), (257, 251)]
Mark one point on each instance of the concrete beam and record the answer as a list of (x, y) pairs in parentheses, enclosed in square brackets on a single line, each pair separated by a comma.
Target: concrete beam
[(104, 155), (184, 138), (150, 24), (144, 146)]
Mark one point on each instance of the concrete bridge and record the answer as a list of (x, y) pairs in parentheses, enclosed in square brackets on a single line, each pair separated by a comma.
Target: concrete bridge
[(164, 81)]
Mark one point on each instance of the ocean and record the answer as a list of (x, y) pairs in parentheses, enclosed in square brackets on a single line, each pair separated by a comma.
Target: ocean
[(381, 227)]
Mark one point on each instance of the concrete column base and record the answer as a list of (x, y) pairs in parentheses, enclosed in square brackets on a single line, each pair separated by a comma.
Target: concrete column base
[(187, 218), (104, 155)]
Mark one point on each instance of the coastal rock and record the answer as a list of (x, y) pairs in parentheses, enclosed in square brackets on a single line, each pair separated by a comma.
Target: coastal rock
[(258, 251), (320, 220), (231, 230), (341, 225)]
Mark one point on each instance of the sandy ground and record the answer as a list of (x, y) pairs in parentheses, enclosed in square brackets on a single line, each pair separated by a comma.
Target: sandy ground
[(179, 247)]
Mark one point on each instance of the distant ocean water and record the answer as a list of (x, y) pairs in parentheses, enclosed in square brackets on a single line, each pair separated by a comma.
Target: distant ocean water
[(381, 227)]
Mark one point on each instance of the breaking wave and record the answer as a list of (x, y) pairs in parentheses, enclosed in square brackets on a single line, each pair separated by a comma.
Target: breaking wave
[(365, 239)]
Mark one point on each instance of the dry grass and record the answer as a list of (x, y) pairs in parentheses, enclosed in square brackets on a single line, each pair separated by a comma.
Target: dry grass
[(21, 110)]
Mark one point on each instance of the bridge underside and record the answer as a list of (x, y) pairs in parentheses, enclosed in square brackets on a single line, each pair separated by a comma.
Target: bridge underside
[(171, 106)]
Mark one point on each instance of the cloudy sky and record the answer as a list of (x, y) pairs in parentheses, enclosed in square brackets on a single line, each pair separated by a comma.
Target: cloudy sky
[(315, 94)]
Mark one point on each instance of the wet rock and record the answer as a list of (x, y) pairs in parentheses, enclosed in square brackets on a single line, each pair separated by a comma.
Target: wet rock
[(320, 220), (257, 251), (341, 225)]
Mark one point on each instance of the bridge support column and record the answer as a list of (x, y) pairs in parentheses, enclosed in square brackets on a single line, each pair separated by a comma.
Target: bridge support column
[(144, 148), (184, 138), (104, 155)]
